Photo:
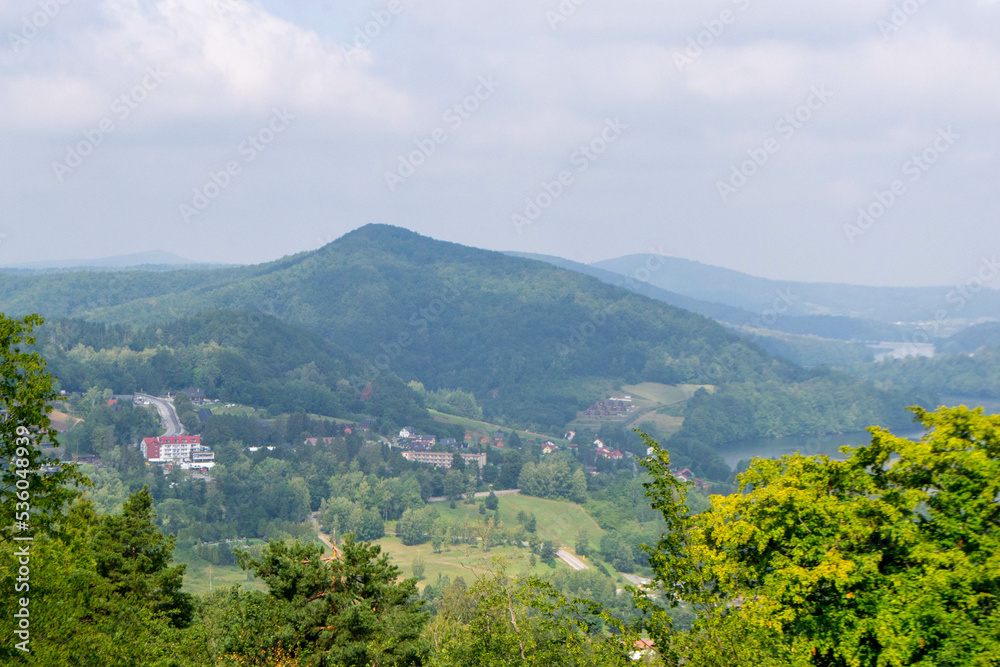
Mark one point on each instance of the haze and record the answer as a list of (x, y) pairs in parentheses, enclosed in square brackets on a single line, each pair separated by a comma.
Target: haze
[(234, 131)]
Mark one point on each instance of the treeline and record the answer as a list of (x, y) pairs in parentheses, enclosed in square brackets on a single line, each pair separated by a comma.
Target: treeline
[(824, 403), (237, 357), (974, 374)]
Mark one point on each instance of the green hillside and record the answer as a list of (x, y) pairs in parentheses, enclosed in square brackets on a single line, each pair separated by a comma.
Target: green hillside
[(534, 343)]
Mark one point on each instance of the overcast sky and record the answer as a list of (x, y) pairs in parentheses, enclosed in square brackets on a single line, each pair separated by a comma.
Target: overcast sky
[(740, 133)]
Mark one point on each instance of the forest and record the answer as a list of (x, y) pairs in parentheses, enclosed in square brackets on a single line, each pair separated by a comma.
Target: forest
[(889, 557)]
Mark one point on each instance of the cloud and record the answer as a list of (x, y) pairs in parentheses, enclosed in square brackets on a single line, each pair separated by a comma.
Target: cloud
[(221, 58)]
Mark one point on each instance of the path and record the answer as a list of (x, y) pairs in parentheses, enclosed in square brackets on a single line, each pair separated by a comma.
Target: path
[(323, 538), (641, 582), (571, 560), (481, 494)]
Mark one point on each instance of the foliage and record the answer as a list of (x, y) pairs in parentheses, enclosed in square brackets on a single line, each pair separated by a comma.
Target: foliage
[(969, 374), (33, 487), (503, 620), (558, 477), (889, 558), (346, 611), (532, 343)]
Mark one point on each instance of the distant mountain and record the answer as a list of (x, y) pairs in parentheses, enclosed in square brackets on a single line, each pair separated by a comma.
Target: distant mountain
[(884, 304), (972, 339), (776, 316), (534, 343), (153, 259)]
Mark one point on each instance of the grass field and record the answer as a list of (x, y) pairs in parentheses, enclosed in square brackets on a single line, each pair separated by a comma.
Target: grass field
[(486, 428), (464, 561), (665, 425), (557, 521), (201, 577), (664, 394)]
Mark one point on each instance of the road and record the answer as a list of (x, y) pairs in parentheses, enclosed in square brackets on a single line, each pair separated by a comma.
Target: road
[(570, 560), (641, 582), (323, 538), (481, 494), (168, 415)]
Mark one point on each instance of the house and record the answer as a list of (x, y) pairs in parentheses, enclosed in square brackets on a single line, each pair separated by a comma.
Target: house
[(204, 415), (598, 443), (449, 442), (407, 432), (367, 424), (549, 447), (444, 459), (426, 441), (642, 648), (197, 396), (177, 448), (604, 452), (569, 435)]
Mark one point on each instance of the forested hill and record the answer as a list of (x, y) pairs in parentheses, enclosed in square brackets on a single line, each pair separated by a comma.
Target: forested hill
[(535, 343), (884, 304)]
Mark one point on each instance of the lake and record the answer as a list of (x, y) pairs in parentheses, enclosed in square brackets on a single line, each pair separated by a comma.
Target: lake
[(829, 445)]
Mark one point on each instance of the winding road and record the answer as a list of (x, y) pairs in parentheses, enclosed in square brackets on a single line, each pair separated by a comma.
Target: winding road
[(168, 415)]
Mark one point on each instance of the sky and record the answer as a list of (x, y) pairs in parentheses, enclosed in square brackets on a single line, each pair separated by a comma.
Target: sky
[(848, 141)]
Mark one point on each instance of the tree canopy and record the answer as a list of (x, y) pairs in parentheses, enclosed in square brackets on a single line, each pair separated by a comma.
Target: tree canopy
[(891, 557)]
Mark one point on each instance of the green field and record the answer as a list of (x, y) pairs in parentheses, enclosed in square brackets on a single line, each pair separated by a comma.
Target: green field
[(464, 560), (486, 428), (557, 521), (664, 394), (201, 577)]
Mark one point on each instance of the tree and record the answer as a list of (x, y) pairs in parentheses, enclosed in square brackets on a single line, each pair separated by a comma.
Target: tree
[(888, 558), (492, 502), (418, 568), (582, 547), (346, 611), (30, 500), (133, 558), (514, 440), (510, 471), (504, 620)]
